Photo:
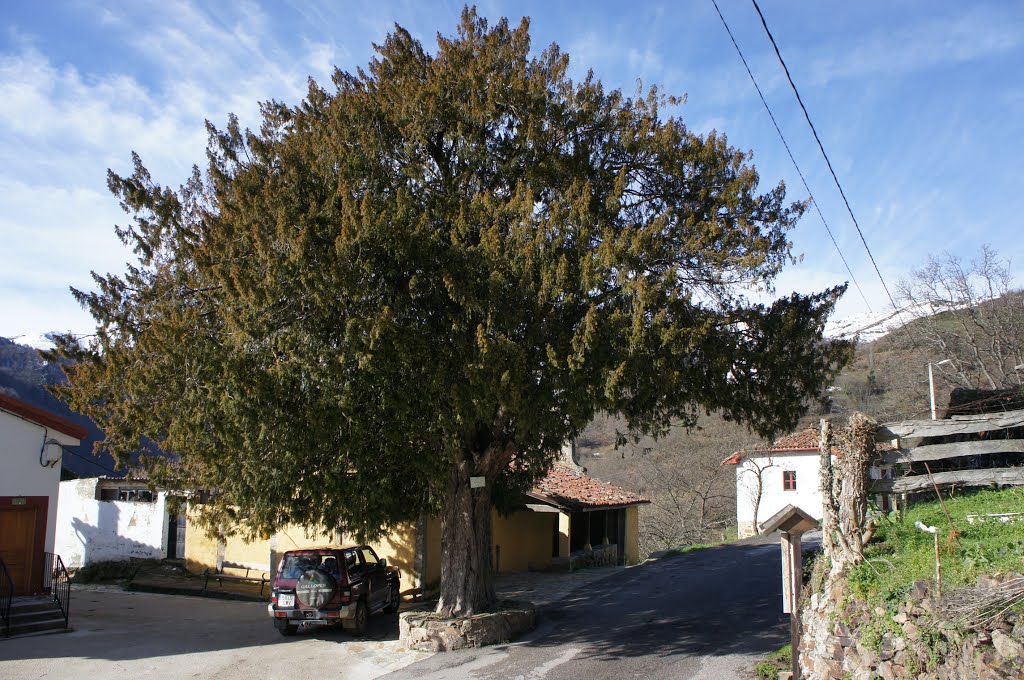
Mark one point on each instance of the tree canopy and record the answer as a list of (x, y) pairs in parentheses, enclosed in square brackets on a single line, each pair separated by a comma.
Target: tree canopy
[(443, 266)]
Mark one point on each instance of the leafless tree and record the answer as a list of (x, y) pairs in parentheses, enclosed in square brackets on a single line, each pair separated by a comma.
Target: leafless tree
[(691, 504), (977, 321), (693, 496), (757, 468)]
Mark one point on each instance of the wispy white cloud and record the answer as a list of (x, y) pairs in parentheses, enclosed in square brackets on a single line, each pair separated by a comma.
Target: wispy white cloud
[(911, 169), (61, 127), (937, 41)]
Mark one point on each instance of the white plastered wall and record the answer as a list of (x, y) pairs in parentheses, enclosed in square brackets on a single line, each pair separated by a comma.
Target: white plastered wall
[(21, 474), (807, 495), (90, 530)]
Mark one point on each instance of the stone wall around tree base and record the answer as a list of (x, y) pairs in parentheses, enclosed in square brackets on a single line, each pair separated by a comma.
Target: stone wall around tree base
[(425, 631)]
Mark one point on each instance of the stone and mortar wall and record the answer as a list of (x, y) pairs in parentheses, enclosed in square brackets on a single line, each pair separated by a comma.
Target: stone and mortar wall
[(425, 631), (844, 638), (599, 556)]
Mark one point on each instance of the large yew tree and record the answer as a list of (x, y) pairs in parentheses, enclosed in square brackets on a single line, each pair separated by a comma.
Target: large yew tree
[(439, 268)]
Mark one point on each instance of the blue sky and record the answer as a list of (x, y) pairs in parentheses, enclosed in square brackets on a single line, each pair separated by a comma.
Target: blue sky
[(920, 106)]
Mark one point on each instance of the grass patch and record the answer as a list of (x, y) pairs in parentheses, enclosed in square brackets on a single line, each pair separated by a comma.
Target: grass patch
[(682, 550), (901, 553), (770, 666), (676, 552)]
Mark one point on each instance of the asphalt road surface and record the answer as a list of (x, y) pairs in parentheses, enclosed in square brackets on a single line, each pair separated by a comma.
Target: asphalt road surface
[(707, 614)]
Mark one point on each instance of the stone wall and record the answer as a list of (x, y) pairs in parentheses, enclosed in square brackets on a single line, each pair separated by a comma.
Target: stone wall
[(426, 631), (599, 556), (845, 638)]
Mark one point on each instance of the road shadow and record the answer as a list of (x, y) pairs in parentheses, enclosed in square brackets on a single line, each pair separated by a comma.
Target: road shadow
[(718, 601)]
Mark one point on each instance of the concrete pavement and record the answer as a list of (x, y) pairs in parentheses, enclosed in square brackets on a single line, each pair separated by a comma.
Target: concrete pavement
[(119, 634)]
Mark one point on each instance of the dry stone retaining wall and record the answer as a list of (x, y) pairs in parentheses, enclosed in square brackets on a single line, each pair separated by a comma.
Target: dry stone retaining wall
[(844, 638)]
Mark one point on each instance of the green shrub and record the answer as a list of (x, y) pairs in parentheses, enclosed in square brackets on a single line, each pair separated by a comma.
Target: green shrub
[(779, 660), (901, 553)]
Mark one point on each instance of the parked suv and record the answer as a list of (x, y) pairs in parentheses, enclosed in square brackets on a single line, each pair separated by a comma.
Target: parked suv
[(332, 587)]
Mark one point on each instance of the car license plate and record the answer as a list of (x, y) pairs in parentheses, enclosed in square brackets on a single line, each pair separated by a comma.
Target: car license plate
[(286, 600)]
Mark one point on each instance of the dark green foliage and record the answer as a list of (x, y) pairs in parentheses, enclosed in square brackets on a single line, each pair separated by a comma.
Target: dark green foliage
[(444, 266)]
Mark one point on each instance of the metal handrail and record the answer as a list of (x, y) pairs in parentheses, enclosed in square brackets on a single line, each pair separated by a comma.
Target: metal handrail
[(6, 597), (57, 581)]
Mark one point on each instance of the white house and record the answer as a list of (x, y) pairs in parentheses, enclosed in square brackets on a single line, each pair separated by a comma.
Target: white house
[(32, 442), (105, 518), (785, 473)]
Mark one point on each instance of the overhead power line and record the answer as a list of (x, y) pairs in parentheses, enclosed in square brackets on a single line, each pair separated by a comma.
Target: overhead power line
[(828, 162), (835, 178), (92, 462), (791, 157)]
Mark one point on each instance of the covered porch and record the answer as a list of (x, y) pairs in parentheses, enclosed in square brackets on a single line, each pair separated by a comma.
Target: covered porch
[(597, 523)]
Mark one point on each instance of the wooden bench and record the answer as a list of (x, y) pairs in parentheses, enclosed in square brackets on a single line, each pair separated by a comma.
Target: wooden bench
[(251, 575)]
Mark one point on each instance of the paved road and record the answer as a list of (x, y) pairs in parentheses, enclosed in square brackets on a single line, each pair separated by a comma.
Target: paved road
[(121, 635), (707, 614)]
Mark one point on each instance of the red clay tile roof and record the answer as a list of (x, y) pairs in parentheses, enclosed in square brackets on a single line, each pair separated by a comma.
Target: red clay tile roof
[(735, 458), (798, 441), (573, 490), (42, 417), (795, 442)]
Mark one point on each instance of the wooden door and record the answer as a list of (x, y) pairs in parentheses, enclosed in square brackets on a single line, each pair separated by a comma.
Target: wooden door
[(17, 534)]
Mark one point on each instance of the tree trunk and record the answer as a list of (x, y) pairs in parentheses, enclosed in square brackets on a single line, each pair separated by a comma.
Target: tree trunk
[(757, 503), (844, 495), (853, 499), (467, 584), (829, 510)]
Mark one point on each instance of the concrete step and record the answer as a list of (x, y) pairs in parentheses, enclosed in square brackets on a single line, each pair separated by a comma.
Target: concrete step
[(51, 624), (35, 615), (24, 605)]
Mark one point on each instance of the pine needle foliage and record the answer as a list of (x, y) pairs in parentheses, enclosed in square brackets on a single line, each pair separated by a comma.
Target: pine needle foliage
[(440, 267)]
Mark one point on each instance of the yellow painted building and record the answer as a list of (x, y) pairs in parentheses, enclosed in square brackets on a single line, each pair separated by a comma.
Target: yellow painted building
[(567, 521)]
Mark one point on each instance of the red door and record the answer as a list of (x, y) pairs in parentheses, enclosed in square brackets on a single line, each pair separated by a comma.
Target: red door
[(17, 537)]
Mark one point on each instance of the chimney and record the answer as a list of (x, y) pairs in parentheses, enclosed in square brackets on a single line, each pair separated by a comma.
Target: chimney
[(570, 456)]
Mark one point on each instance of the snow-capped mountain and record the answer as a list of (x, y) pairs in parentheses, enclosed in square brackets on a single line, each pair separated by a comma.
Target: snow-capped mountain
[(870, 326), (35, 340)]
